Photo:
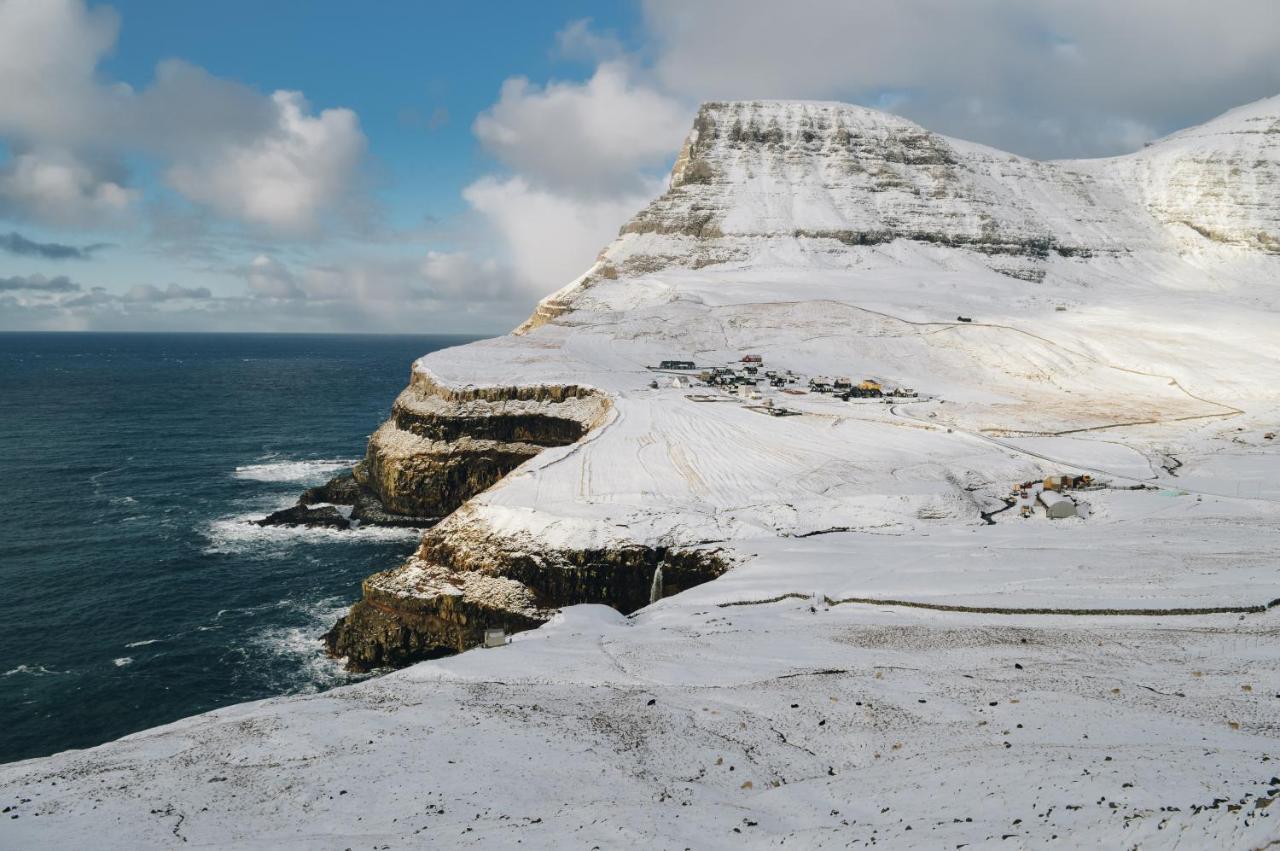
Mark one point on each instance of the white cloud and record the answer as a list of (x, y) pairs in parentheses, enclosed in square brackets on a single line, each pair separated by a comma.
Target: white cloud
[(269, 278), (450, 281), (266, 161), (460, 275), (1047, 78), (49, 50), (590, 138), (59, 188), (581, 159), (550, 238), (580, 41), (282, 178), (288, 178)]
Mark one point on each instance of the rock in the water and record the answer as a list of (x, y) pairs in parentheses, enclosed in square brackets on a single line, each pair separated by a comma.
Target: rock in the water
[(324, 517), (346, 489), (342, 489)]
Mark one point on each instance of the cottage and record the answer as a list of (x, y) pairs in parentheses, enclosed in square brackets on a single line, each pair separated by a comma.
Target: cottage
[(752, 359)]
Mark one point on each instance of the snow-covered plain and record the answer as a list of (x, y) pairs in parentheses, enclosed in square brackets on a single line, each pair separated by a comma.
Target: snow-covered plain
[(826, 692)]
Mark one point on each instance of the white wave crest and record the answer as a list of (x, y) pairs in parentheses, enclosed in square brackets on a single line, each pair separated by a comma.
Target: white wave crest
[(310, 668), (33, 670), (240, 534), (122, 661), (293, 471)]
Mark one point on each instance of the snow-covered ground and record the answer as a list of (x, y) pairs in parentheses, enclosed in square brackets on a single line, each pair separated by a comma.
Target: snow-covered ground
[(698, 726), (882, 666)]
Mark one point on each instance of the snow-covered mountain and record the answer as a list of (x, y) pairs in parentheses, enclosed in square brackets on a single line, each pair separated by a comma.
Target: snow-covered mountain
[(841, 627), (805, 179)]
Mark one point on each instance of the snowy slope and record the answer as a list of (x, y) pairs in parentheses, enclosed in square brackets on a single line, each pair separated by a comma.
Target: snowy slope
[(881, 663)]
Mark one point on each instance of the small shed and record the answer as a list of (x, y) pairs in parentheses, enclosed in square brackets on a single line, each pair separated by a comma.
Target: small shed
[(495, 637), (1056, 505)]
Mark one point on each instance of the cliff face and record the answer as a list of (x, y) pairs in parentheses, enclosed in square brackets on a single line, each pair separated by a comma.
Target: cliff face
[(442, 445), (1218, 179), (465, 578)]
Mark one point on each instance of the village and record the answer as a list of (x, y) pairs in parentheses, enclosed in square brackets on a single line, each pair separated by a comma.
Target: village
[(1056, 497), (749, 380)]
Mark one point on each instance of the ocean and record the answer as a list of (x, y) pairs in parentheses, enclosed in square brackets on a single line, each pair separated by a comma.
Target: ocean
[(134, 591)]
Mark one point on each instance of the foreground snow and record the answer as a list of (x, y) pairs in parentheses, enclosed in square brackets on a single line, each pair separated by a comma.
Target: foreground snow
[(694, 725)]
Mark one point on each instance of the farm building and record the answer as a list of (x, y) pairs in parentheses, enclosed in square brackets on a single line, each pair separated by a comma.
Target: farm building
[(1056, 505), (676, 364)]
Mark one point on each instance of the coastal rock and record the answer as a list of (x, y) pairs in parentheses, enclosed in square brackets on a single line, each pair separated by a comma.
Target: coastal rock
[(323, 517), (443, 445), (464, 579), (420, 611), (345, 489)]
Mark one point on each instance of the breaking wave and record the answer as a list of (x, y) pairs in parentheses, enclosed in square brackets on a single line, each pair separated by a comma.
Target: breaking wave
[(307, 668), (314, 471), (240, 534)]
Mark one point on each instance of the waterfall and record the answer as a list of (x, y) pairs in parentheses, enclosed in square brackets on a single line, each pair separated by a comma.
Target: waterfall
[(655, 590)]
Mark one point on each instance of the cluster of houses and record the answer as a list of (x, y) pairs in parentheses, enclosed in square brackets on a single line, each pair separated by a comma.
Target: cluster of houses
[(1050, 494), (749, 373)]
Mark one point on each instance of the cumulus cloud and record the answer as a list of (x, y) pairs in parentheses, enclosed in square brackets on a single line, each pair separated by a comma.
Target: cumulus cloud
[(280, 178), (1047, 78), (588, 138), (15, 243), (267, 161), (269, 278), (580, 158), (552, 237), (59, 188)]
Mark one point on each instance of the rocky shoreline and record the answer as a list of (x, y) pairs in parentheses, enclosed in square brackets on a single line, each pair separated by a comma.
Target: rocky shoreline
[(441, 446)]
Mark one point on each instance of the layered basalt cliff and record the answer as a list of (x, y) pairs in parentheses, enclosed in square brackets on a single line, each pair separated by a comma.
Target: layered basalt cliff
[(442, 445), (464, 579)]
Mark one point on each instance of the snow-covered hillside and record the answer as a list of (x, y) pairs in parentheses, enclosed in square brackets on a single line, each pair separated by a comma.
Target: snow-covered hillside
[(885, 655)]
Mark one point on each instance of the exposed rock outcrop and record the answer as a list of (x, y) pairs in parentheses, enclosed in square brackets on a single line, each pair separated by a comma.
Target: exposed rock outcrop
[(324, 517), (463, 580), (366, 508), (443, 445)]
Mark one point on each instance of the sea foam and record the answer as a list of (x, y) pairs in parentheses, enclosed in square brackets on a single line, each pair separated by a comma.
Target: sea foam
[(293, 471)]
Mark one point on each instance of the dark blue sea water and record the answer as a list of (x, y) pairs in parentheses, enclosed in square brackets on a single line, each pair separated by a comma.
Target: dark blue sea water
[(132, 592)]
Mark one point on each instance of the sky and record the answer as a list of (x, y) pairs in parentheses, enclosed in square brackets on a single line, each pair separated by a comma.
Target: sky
[(417, 167)]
